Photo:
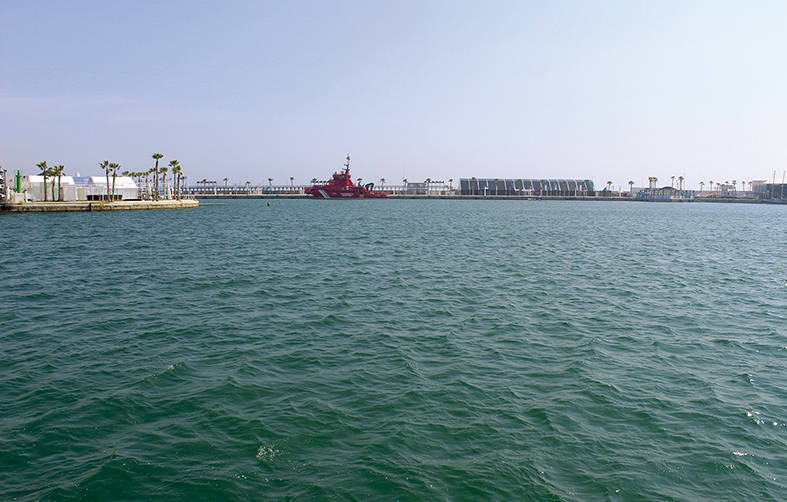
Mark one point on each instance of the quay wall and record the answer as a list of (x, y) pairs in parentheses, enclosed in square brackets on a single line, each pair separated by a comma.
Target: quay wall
[(83, 205)]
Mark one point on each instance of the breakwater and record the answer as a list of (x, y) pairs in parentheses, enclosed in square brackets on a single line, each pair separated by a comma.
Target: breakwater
[(83, 205)]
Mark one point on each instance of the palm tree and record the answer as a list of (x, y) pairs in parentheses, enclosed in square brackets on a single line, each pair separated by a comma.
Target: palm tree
[(270, 181), (177, 171), (147, 182), (156, 156), (680, 182), (404, 185), (163, 171), (226, 180), (609, 186), (711, 185), (734, 185), (58, 171), (382, 183), (44, 172), (451, 183), (105, 166), (631, 186), (672, 183), (114, 166), (173, 164), (702, 184), (247, 187), (52, 173), (427, 181), (292, 179)]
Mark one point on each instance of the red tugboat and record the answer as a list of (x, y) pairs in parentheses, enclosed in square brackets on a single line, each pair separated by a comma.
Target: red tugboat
[(341, 186)]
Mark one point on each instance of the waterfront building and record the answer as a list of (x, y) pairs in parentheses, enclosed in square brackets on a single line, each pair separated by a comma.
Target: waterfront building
[(34, 185), (757, 186), (79, 188), (725, 190), (764, 190), (415, 188), (524, 187), (665, 193), (3, 183), (95, 187)]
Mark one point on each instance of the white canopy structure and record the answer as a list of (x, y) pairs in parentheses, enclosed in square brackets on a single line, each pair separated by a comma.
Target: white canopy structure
[(80, 187), (35, 187)]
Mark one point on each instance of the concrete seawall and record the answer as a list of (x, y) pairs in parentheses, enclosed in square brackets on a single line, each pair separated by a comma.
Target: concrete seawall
[(83, 205)]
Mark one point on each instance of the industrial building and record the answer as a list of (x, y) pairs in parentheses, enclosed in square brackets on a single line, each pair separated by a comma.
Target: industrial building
[(523, 187)]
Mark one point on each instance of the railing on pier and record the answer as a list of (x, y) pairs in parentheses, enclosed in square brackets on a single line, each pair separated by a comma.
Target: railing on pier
[(211, 189), (216, 189)]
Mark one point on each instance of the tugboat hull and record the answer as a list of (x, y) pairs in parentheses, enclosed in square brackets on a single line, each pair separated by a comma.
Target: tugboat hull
[(341, 186)]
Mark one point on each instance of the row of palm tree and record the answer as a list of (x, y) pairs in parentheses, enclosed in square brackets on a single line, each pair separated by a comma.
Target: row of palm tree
[(734, 183), (112, 167), (160, 178), (719, 186), (56, 173)]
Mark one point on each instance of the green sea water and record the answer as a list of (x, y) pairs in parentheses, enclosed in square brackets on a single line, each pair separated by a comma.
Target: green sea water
[(395, 350)]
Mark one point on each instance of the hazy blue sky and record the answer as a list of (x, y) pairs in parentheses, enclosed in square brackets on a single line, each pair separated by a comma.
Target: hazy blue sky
[(610, 90)]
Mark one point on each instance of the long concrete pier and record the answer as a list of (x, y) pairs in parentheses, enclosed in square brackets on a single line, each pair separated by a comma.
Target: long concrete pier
[(84, 205)]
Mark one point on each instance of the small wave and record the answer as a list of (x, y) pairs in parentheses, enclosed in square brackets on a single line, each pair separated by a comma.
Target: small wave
[(172, 367), (267, 453), (755, 416), (170, 371)]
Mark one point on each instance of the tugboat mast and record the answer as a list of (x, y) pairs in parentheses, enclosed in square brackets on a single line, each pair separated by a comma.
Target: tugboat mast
[(347, 164)]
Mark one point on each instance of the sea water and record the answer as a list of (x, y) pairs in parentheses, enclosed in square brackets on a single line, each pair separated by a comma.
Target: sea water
[(396, 350)]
